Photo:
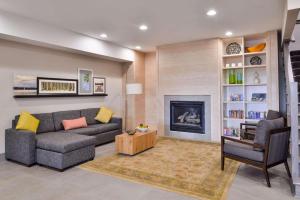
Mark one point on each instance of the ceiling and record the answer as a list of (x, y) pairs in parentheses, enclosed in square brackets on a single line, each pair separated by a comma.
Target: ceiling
[(169, 21)]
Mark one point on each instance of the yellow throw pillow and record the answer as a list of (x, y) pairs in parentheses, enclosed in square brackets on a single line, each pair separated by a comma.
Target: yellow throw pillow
[(104, 115), (27, 122)]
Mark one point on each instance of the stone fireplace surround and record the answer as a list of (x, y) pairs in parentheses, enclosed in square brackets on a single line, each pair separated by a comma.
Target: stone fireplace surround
[(185, 135)]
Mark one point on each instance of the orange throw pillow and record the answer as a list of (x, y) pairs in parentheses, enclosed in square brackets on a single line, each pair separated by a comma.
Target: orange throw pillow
[(74, 123)]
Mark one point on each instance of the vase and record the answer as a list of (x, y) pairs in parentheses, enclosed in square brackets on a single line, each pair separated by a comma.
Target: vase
[(232, 77), (239, 77)]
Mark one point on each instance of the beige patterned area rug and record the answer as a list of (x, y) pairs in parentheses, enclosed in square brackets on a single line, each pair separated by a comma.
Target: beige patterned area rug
[(188, 167)]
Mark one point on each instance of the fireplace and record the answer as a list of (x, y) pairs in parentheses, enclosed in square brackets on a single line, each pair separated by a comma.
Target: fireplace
[(187, 116)]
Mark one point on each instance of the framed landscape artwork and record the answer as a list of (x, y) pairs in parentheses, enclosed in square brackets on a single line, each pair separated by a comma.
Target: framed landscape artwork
[(25, 85), (85, 78), (99, 85), (57, 86)]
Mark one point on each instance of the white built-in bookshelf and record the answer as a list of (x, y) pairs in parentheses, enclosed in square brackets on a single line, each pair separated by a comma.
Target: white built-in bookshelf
[(238, 103)]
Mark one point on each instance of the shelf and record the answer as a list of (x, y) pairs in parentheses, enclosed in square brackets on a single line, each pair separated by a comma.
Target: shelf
[(233, 102), (255, 53), (256, 102), (233, 68), (253, 120), (261, 84), (231, 136), (232, 55), (61, 95), (234, 119), (255, 66), (232, 85)]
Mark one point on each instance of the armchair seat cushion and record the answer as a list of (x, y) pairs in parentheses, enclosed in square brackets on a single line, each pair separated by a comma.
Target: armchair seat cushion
[(63, 142), (243, 151)]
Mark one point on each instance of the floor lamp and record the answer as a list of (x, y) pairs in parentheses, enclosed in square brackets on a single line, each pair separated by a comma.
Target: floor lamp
[(132, 89)]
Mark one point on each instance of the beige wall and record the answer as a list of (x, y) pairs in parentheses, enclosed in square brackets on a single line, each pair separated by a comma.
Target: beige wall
[(190, 68), (151, 87), (25, 59)]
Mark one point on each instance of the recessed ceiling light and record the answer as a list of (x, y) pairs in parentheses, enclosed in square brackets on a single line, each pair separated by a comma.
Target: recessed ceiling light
[(211, 12), (138, 47), (103, 35), (228, 33), (143, 27)]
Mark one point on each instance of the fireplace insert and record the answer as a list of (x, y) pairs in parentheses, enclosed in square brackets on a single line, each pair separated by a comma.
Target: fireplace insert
[(187, 116)]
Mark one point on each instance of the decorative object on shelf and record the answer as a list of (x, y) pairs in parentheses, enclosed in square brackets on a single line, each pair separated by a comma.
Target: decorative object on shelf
[(256, 115), (240, 64), (239, 77), (85, 77), (255, 60), (142, 128), (99, 85), (56, 86), (131, 132), (235, 132), (25, 85), (227, 65), (237, 114), (256, 79), (232, 77), (233, 65), (233, 48), (258, 97), (236, 97), (256, 48)]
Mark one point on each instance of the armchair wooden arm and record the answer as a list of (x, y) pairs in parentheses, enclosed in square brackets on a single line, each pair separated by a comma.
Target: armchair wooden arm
[(223, 138), (254, 145)]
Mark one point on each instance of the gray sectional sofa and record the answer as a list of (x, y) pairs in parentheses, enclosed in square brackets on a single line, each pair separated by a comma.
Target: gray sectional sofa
[(54, 147)]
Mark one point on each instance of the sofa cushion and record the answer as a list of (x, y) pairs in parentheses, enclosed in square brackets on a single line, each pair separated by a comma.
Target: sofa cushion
[(244, 151), (264, 127), (95, 129), (90, 115), (63, 142), (102, 128), (58, 117), (83, 131), (46, 122)]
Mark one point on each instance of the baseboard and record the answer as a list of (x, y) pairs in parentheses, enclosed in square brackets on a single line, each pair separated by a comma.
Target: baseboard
[(2, 157)]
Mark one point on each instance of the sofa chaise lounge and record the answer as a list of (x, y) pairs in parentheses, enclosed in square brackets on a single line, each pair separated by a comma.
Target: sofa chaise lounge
[(54, 147)]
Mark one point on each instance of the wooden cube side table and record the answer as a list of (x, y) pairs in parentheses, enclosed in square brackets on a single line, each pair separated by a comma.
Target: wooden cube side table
[(133, 144)]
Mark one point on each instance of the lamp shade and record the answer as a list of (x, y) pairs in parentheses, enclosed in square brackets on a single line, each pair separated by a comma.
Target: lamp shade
[(134, 88)]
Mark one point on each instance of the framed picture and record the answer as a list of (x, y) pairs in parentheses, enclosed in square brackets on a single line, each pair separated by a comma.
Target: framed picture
[(85, 78), (99, 85), (56, 86), (25, 85), (258, 96)]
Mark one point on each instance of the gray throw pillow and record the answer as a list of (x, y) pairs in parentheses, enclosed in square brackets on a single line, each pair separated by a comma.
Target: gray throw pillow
[(272, 114), (264, 127)]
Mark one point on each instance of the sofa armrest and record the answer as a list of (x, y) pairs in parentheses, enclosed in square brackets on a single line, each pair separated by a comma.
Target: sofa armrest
[(20, 146), (117, 120)]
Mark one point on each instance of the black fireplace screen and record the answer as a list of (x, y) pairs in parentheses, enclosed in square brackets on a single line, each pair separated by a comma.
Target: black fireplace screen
[(187, 116)]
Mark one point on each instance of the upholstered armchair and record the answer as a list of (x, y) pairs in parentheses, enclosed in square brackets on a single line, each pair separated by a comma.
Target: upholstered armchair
[(248, 129), (270, 147)]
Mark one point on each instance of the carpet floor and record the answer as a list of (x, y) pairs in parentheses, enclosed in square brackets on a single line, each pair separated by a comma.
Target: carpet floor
[(188, 167)]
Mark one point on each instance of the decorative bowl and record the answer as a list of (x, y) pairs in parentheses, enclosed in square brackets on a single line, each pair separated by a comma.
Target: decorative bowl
[(131, 132), (142, 129)]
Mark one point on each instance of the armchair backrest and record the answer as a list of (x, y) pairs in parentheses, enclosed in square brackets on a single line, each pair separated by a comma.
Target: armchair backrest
[(264, 127), (277, 146), (272, 114)]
